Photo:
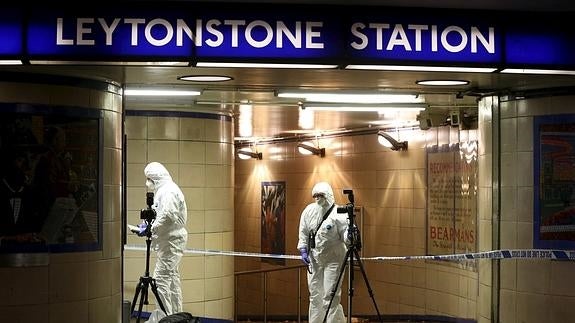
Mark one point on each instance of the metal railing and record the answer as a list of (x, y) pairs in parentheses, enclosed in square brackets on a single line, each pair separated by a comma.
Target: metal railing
[(265, 273)]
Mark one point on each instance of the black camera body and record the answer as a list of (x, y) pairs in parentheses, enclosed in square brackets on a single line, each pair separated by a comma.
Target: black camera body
[(148, 214), (345, 209), (348, 208)]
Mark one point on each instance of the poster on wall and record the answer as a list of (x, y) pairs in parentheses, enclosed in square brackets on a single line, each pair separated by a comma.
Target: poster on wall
[(273, 221), (49, 179), (554, 182), (452, 199)]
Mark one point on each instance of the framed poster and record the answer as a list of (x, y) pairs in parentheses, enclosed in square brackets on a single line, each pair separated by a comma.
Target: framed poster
[(50, 182), (554, 182), (273, 215), (452, 199)]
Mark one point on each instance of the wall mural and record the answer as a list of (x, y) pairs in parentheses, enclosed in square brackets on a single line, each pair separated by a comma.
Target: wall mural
[(554, 182), (273, 220), (49, 180)]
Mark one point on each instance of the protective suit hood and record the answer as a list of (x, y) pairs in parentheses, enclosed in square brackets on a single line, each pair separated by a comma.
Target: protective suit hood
[(157, 173), (325, 189)]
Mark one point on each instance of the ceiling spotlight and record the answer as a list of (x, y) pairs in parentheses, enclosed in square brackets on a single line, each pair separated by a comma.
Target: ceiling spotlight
[(389, 142), (247, 153), (306, 149), (442, 82), (205, 78)]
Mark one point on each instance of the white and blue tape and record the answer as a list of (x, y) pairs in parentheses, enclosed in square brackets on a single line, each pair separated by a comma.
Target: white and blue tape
[(494, 254)]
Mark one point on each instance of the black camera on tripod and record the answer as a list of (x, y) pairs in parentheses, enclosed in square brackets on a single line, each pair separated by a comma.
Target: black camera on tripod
[(148, 214), (353, 232), (348, 208)]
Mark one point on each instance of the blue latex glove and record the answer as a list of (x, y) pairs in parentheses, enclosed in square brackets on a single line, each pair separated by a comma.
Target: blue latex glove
[(304, 256), (142, 228)]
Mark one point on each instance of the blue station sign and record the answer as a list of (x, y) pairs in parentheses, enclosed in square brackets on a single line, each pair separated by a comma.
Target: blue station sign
[(411, 36), (11, 30), (273, 33)]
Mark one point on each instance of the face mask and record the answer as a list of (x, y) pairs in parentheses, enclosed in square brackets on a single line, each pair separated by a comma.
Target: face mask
[(150, 186), (321, 201)]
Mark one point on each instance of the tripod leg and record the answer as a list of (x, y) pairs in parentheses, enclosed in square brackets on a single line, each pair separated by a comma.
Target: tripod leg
[(155, 291), (138, 289), (334, 290), (367, 284), (143, 298)]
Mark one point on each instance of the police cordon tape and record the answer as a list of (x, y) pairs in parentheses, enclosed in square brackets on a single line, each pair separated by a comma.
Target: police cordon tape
[(494, 254)]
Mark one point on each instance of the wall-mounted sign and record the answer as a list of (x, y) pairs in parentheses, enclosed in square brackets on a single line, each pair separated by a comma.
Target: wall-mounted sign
[(287, 33), (11, 32), (554, 182), (452, 199)]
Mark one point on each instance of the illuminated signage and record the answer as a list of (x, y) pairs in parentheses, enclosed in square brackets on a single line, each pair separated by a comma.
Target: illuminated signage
[(11, 32), (272, 34)]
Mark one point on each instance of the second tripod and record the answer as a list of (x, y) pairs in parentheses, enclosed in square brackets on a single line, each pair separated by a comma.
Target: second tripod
[(352, 253)]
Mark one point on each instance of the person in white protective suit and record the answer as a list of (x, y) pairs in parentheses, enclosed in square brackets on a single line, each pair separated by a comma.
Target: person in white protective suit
[(169, 234), (322, 246)]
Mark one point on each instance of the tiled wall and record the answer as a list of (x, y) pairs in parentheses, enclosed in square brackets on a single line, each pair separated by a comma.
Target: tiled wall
[(487, 170), (531, 290), (198, 152), (74, 286), (390, 186)]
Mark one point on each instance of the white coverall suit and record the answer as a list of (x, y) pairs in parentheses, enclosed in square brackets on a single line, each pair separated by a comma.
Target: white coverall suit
[(327, 258), (169, 235)]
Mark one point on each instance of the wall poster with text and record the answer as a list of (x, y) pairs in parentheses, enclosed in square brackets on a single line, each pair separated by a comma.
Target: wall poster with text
[(452, 199), (554, 182), (49, 179), (273, 216)]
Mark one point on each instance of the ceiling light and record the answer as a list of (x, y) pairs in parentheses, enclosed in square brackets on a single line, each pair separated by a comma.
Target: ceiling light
[(247, 153), (265, 65), (422, 68), (351, 97), (442, 82), (160, 92), (537, 71), (306, 118), (10, 62), (380, 107), (307, 149), (205, 78), (390, 142), (127, 63), (245, 120)]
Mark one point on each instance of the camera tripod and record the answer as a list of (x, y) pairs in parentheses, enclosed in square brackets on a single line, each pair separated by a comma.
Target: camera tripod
[(351, 254), (146, 281)]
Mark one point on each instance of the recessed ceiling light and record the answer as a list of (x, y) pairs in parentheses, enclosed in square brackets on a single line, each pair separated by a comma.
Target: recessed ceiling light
[(442, 82), (205, 78)]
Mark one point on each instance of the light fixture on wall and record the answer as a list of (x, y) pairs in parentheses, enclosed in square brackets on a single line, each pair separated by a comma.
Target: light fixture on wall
[(247, 153), (305, 148), (390, 142)]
